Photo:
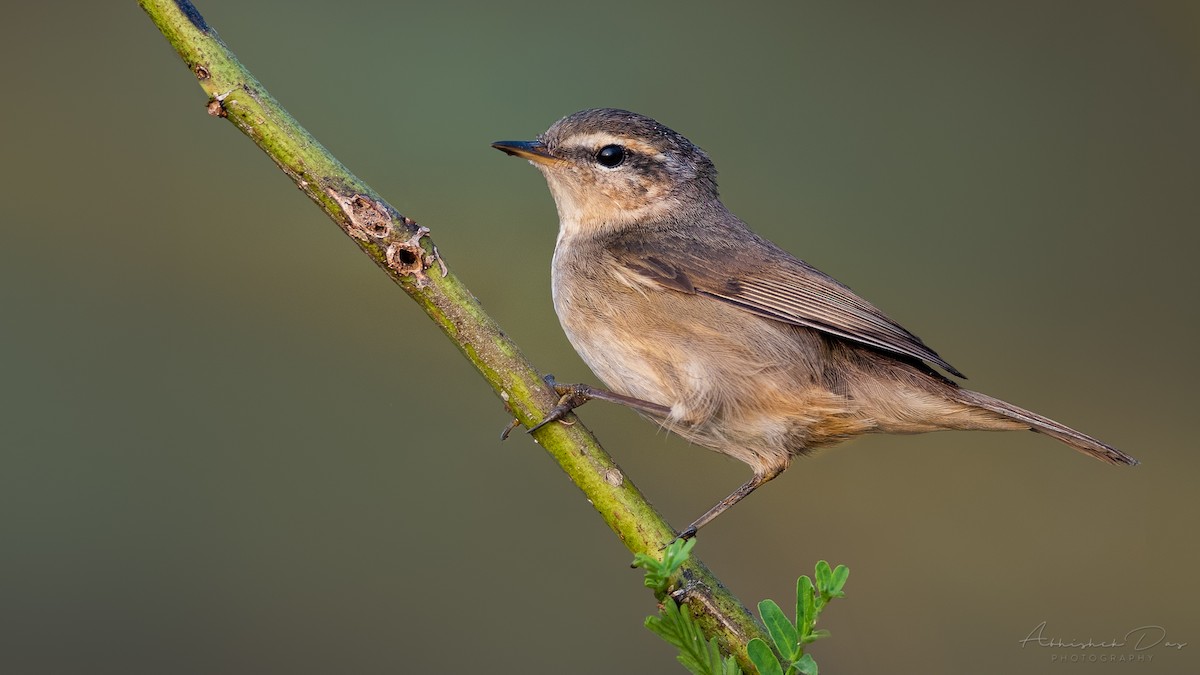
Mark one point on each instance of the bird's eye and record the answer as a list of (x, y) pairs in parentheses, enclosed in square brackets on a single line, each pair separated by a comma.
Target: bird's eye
[(611, 156)]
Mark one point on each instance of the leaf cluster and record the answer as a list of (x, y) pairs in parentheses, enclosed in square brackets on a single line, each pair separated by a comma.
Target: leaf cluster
[(674, 622), (790, 637), (676, 625)]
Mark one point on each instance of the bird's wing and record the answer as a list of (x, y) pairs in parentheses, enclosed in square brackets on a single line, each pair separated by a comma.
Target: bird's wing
[(767, 281)]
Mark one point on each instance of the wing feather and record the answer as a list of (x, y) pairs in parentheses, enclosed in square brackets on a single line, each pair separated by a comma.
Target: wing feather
[(760, 278)]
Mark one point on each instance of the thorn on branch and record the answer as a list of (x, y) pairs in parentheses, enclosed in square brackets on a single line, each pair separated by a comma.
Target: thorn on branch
[(216, 105), (441, 263)]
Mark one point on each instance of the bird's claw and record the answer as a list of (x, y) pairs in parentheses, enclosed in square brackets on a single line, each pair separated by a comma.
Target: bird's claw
[(572, 396), (570, 400), (508, 429), (688, 533)]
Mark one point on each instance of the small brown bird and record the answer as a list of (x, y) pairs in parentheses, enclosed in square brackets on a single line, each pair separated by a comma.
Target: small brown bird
[(716, 333)]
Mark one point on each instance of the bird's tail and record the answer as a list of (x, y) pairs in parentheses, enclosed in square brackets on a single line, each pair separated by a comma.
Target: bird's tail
[(1044, 425)]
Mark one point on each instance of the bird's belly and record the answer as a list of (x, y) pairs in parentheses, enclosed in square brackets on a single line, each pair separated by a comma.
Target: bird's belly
[(761, 417), (684, 354)]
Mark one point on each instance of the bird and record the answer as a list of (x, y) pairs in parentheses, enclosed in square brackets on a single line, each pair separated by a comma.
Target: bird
[(714, 332)]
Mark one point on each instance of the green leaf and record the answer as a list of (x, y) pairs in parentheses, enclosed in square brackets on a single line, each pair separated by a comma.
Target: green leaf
[(806, 665), (646, 561), (783, 632), (675, 623), (806, 605), (839, 581), (668, 625), (659, 572), (653, 570), (824, 577), (815, 635), (763, 658), (663, 628), (677, 553), (676, 626), (657, 577)]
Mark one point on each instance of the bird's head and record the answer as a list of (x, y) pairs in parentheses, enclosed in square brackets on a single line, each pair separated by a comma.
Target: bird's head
[(610, 168)]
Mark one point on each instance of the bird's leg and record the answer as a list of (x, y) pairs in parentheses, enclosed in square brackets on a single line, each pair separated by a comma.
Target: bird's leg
[(737, 496), (575, 395)]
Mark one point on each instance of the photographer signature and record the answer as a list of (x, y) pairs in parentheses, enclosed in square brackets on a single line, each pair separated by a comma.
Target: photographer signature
[(1140, 639)]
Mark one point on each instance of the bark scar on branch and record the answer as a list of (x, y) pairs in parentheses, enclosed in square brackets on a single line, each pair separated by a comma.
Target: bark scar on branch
[(373, 221)]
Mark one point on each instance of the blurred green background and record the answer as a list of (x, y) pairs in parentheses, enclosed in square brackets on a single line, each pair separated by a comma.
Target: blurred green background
[(229, 444)]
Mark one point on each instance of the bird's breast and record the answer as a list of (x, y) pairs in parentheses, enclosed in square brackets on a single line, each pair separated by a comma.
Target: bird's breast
[(607, 322)]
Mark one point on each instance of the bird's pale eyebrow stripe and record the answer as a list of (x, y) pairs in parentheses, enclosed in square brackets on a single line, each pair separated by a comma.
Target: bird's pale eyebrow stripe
[(597, 140)]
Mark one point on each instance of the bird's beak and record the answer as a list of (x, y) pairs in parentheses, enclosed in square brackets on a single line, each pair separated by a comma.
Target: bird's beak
[(534, 151)]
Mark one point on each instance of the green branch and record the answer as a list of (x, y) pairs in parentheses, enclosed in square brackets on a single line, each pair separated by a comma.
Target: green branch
[(406, 253)]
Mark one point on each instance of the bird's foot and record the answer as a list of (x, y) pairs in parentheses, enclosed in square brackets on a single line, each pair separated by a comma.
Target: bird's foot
[(572, 396)]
